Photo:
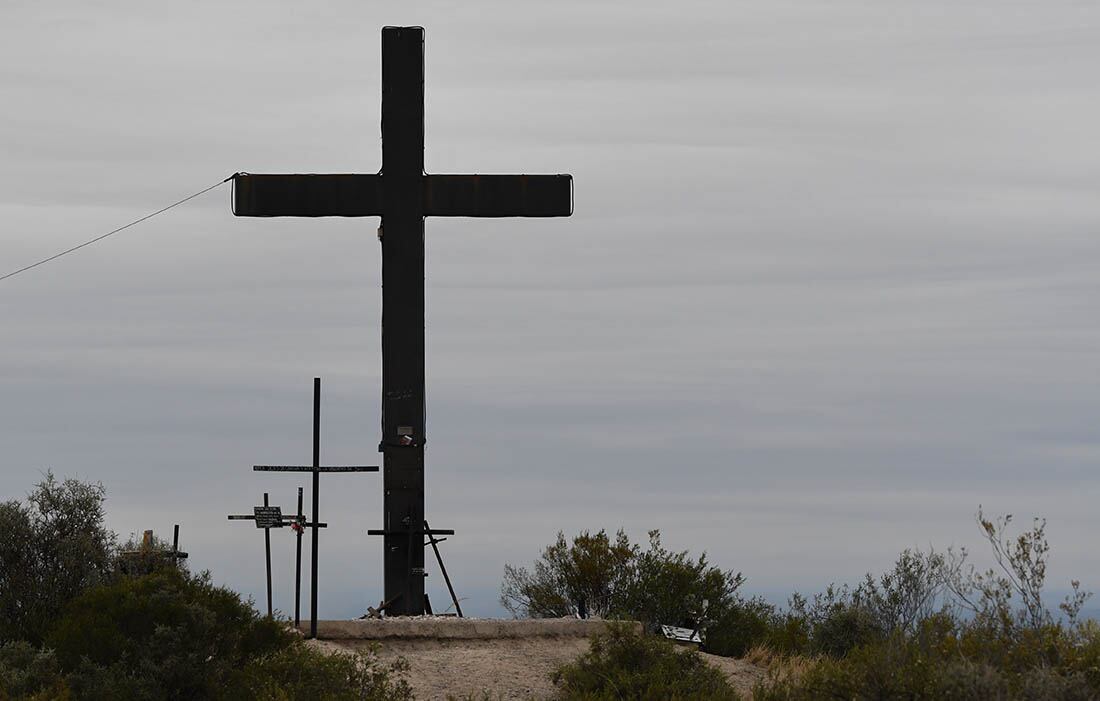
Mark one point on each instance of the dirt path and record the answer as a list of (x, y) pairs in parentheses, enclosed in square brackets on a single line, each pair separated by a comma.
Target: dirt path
[(507, 669), (742, 675)]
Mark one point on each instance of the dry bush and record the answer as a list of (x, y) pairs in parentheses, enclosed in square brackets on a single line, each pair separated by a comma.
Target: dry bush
[(779, 666)]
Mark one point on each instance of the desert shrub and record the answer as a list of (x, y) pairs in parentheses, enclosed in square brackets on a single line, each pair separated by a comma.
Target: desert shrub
[(1086, 661), (672, 588), (166, 635), (743, 625), (938, 628), (618, 579), (906, 595), (844, 627), (832, 623), (29, 673), (54, 547), (589, 573), (910, 668), (789, 630), (173, 635), (623, 664), (82, 623), (1008, 598), (657, 586), (114, 682), (301, 672), (1041, 683), (840, 619), (888, 672)]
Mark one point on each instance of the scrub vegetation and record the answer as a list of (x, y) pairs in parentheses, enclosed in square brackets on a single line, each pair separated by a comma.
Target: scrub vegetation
[(82, 617), (78, 620), (933, 627)]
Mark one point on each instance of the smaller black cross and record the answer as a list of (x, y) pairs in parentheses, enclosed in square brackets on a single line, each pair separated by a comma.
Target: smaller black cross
[(408, 533), (266, 517), (144, 559), (316, 469), (175, 553)]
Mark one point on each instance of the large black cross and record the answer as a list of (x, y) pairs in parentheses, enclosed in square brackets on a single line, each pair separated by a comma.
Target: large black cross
[(403, 194)]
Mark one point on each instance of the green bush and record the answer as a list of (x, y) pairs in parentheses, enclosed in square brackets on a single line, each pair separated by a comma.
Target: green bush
[(301, 672), (741, 626), (29, 673), (592, 572), (932, 669), (672, 588), (623, 664), (178, 635), (843, 628), (53, 548), (617, 579), (171, 635), (136, 626), (789, 631), (888, 672), (937, 628)]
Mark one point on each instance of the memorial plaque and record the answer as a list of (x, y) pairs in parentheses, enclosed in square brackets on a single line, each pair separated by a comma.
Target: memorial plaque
[(268, 516)]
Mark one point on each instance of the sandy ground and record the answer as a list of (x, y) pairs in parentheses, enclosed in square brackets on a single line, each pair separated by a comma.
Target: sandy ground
[(507, 669)]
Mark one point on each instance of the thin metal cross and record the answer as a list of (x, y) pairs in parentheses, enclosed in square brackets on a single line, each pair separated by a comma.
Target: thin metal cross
[(316, 468), (266, 517), (403, 194)]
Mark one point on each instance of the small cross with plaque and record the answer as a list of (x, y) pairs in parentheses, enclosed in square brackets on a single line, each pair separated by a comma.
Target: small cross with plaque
[(268, 517), (315, 469)]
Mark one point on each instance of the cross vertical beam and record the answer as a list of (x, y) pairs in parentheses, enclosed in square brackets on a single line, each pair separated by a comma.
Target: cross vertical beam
[(316, 502), (298, 562), (265, 517), (403, 422), (267, 557)]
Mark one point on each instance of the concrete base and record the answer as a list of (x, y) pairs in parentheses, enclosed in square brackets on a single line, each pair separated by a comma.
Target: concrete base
[(450, 628)]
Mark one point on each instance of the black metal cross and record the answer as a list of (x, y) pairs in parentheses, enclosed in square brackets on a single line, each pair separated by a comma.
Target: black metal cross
[(316, 468), (403, 194), (266, 517)]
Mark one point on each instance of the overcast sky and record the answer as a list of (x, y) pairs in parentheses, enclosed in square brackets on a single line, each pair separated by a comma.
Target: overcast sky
[(832, 280)]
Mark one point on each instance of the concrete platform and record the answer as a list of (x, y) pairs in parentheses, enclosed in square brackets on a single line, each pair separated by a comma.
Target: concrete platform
[(450, 628)]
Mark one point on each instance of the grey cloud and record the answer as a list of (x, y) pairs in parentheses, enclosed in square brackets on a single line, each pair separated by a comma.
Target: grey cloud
[(830, 284)]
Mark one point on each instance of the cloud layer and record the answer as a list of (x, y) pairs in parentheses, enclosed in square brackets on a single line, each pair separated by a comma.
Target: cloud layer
[(832, 280)]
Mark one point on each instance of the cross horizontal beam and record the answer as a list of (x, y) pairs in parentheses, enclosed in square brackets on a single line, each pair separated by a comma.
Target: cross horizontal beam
[(287, 520), (355, 195), (310, 468), (498, 195), (177, 554)]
